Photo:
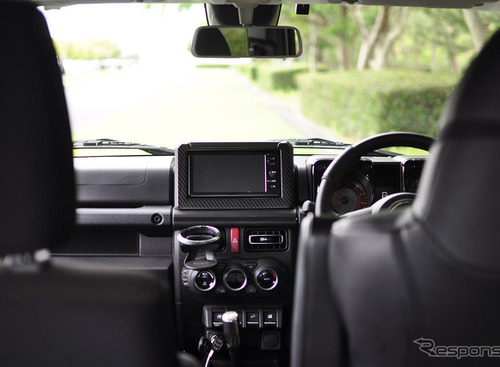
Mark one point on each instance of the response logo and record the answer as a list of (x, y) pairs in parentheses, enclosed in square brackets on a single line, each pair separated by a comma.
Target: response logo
[(429, 347)]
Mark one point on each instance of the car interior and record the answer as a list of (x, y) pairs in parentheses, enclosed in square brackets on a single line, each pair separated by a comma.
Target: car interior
[(244, 253)]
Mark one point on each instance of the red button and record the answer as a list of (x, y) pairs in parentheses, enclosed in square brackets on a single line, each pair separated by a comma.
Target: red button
[(235, 240)]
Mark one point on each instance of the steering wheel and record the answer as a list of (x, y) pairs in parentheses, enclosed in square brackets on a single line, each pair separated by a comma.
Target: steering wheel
[(338, 168)]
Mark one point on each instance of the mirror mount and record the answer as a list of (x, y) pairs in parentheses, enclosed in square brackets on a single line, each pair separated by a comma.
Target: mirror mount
[(245, 14), (265, 15), (246, 9)]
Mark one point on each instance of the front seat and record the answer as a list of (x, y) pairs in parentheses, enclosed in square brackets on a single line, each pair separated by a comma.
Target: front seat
[(420, 287), (51, 315)]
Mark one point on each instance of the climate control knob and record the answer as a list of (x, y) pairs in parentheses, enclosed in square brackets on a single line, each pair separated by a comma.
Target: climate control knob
[(235, 279), (204, 280), (266, 278)]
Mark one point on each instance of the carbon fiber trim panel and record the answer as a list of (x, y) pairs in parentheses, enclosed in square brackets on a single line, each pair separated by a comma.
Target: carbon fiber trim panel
[(184, 201)]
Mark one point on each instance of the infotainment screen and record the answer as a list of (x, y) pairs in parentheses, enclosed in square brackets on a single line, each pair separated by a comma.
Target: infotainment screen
[(234, 175), (224, 174)]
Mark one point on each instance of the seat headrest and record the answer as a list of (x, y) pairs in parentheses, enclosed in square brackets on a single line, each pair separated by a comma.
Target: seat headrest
[(457, 199), (475, 102), (37, 185)]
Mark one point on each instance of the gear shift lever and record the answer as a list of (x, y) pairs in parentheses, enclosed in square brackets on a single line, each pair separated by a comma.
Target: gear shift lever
[(231, 335)]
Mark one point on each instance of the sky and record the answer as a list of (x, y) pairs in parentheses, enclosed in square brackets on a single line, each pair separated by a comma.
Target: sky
[(154, 33), (143, 102)]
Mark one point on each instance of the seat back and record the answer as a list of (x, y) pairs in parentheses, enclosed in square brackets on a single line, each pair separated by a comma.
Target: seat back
[(419, 287), (37, 204), (50, 315)]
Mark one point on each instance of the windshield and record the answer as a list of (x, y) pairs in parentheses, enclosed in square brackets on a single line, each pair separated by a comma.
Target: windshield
[(129, 74)]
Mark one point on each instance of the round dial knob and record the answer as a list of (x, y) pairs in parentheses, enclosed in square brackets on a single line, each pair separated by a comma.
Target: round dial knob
[(266, 279), (235, 279), (204, 280)]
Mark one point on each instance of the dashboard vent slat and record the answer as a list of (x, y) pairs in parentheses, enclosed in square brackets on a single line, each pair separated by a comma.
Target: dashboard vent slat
[(265, 240)]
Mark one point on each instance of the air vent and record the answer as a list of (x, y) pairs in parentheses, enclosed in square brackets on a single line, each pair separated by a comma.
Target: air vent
[(265, 240)]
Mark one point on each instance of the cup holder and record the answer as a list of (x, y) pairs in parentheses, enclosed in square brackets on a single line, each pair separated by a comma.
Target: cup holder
[(199, 242), (198, 236)]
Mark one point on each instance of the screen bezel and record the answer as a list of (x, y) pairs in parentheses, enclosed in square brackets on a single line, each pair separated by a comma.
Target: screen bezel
[(284, 198)]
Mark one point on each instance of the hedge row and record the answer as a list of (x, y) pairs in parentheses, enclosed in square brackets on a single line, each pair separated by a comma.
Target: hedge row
[(273, 77), (359, 104), (356, 104), (250, 70)]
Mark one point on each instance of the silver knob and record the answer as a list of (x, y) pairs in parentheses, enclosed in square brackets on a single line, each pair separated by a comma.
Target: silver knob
[(231, 330)]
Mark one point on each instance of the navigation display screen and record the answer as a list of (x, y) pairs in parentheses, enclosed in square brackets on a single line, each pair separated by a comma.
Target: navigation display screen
[(243, 175), (224, 174)]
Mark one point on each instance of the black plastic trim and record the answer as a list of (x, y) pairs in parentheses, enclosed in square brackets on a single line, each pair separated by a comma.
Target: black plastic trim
[(283, 201)]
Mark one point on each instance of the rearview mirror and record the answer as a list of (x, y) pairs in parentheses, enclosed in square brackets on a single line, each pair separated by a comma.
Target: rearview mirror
[(259, 42)]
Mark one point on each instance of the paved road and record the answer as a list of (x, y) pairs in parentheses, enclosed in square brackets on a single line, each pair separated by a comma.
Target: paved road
[(190, 104), (94, 96), (293, 116)]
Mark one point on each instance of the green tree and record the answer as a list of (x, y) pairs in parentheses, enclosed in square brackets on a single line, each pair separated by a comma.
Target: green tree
[(334, 35), (481, 25), (328, 32), (378, 35), (97, 49), (447, 46)]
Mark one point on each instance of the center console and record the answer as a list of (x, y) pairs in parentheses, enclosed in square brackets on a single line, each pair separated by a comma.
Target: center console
[(234, 246)]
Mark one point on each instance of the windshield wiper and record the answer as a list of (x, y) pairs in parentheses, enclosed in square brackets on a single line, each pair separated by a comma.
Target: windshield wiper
[(320, 142), (317, 142), (117, 144)]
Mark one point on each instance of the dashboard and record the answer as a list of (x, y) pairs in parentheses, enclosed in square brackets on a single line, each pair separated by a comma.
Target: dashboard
[(220, 222)]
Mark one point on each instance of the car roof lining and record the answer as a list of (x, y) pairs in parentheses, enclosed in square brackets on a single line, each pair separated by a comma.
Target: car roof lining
[(492, 5)]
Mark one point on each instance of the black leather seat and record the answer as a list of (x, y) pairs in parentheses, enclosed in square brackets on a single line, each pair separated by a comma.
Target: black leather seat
[(420, 287), (50, 315)]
